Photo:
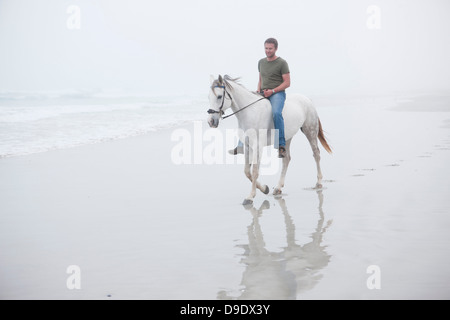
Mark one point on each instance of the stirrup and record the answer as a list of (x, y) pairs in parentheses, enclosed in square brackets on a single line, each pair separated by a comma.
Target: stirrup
[(281, 152), (236, 151)]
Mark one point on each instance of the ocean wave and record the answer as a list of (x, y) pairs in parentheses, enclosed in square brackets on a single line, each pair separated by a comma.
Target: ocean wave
[(30, 126)]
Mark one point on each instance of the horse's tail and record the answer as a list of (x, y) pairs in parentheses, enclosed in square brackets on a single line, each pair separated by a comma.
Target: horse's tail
[(322, 139)]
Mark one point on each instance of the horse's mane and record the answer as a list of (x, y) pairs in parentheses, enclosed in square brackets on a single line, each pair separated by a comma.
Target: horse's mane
[(227, 79)]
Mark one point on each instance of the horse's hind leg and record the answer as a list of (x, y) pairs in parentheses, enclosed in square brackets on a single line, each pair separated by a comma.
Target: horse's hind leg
[(311, 133), (286, 161)]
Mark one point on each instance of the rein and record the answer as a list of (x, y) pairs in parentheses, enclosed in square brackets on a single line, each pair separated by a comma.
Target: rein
[(243, 108), (210, 111)]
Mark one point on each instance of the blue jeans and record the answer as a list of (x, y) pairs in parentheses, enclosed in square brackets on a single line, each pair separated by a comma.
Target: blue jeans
[(277, 102)]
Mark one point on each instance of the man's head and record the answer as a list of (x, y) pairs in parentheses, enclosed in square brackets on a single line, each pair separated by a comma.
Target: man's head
[(270, 46)]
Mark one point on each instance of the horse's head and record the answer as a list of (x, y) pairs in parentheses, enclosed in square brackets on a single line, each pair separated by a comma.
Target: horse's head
[(219, 100)]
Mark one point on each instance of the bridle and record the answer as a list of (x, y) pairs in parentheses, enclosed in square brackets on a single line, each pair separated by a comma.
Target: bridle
[(211, 111), (225, 92)]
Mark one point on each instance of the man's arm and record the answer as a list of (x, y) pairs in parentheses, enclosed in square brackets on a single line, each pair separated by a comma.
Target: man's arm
[(286, 84), (259, 84)]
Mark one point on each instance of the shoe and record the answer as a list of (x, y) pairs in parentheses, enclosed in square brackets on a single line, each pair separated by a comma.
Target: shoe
[(281, 152), (236, 151)]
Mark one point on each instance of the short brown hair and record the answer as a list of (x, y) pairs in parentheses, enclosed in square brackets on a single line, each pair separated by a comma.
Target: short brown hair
[(273, 41)]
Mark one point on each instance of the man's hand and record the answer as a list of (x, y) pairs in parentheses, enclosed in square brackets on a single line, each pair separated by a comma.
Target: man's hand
[(268, 93)]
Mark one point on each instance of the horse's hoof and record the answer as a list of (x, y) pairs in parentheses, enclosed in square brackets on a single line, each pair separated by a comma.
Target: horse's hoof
[(247, 202), (265, 205), (276, 191), (267, 190)]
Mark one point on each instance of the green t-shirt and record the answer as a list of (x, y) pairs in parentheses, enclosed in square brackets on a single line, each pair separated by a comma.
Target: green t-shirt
[(272, 72)]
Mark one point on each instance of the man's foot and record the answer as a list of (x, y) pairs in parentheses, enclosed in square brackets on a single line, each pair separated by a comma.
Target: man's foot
[(236, 150), (281, 152)]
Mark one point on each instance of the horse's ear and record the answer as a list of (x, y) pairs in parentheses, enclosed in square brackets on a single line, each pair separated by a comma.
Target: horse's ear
[(220, 80), (211, 78)]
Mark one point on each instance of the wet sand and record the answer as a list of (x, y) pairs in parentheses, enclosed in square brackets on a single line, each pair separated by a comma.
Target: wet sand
[(139, 226)]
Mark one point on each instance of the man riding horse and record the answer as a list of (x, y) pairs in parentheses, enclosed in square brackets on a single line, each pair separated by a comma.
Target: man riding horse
[(274, 79)]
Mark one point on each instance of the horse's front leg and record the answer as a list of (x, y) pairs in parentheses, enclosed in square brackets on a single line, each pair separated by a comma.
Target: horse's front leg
[(286, 160), (252, 173), (253, 178)]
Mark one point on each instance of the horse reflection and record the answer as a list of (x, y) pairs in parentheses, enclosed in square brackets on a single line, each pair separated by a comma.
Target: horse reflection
[(280, 275)]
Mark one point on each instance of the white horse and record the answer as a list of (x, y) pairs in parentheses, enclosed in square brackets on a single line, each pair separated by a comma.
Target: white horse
[(254, 115)]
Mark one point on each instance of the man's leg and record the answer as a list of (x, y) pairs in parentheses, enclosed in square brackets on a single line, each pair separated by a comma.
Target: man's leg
[(277, 101), (238, 149)]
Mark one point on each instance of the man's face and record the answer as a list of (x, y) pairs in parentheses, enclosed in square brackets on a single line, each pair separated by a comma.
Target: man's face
[(270, 50)]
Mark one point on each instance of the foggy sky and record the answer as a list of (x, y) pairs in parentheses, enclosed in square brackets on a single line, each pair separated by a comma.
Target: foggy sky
[(159, 47)]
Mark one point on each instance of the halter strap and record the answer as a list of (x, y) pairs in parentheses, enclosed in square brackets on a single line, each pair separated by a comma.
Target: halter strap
[(210, 111)]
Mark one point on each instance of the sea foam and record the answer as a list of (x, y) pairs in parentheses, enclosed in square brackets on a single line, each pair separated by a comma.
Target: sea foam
[(41, 121)]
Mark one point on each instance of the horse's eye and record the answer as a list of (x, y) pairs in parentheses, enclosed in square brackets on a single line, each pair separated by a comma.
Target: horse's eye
[(219, 97)]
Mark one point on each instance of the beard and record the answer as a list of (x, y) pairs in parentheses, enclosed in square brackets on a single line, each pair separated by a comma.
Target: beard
[(270, 55)]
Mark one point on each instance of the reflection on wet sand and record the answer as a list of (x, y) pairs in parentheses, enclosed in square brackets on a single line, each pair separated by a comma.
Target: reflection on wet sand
[(280, 275)]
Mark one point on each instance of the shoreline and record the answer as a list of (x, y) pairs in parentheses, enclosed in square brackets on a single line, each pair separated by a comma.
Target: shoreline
[(417, 102)]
